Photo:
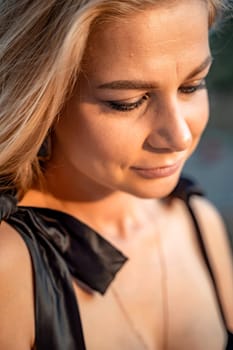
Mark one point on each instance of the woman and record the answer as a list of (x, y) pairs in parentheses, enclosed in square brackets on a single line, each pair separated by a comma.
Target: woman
[(102, 103)]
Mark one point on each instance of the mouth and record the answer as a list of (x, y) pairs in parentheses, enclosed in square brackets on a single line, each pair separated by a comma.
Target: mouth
[(157, 172)]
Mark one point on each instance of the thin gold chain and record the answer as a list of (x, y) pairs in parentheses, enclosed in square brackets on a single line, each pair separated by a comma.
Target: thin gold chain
[(130, 322), (164, 292)]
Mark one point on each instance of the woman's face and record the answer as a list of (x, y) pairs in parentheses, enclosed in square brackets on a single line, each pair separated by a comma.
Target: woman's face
[(141, 104)]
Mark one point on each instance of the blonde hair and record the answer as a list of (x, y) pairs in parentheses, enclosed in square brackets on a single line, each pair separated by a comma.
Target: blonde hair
[(42, 43)]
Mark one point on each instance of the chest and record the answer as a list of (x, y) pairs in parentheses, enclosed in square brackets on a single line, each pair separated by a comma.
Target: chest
[(162, 299)]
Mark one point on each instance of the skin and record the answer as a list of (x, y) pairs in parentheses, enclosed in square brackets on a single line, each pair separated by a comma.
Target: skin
[(102, 146), (94, 175)]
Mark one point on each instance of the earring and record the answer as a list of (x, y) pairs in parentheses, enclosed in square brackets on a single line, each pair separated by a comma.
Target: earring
[(45, 150)]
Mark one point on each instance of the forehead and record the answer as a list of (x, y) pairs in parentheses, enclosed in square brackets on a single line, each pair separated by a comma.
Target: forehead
[(156, 37)]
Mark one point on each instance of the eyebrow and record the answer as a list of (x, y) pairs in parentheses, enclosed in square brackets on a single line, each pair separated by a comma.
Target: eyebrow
[(206, 63), (142, 85)]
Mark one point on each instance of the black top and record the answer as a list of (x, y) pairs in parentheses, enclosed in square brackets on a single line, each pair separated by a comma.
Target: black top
[(62, 247)]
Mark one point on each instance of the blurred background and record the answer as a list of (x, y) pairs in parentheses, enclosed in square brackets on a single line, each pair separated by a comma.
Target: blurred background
[(212, 163)]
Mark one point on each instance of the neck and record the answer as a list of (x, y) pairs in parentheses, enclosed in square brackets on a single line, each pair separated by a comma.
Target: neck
[(117, 215), (113, 213)]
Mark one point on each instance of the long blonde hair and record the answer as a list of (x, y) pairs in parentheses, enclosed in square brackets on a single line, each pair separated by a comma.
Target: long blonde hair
[(42, 43)]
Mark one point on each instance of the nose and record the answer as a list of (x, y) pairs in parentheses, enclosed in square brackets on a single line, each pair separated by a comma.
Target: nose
[(170, 131)]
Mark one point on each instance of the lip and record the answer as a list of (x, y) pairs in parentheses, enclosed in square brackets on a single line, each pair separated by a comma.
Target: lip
[(158, 172)]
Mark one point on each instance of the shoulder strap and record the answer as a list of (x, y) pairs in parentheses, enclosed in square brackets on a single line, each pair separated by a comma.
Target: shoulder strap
[(57, 317), (184, 190), (8, 205)]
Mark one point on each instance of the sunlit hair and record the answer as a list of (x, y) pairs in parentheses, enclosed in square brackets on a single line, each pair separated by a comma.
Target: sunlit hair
[(42, 43)]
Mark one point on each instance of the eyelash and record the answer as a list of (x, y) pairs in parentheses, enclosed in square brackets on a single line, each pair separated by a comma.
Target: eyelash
[(194, 88), (127, 107)]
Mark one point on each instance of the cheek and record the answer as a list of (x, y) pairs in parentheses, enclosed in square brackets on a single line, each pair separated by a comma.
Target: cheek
[(88, 135), (198, 117)]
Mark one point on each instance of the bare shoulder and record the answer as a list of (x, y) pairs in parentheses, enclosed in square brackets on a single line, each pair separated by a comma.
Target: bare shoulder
[(219, 251), (16, 292), (213, 228)]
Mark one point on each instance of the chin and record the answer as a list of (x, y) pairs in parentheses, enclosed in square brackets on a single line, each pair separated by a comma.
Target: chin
[(159, 188)]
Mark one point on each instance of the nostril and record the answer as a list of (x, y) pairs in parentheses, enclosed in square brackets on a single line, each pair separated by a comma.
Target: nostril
[(155, 148)]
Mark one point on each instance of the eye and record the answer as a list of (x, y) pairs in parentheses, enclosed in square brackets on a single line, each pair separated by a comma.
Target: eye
[(127, 106), (193, 88)]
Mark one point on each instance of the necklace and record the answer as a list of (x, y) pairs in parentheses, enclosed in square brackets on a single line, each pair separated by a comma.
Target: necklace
[(164, 291)]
